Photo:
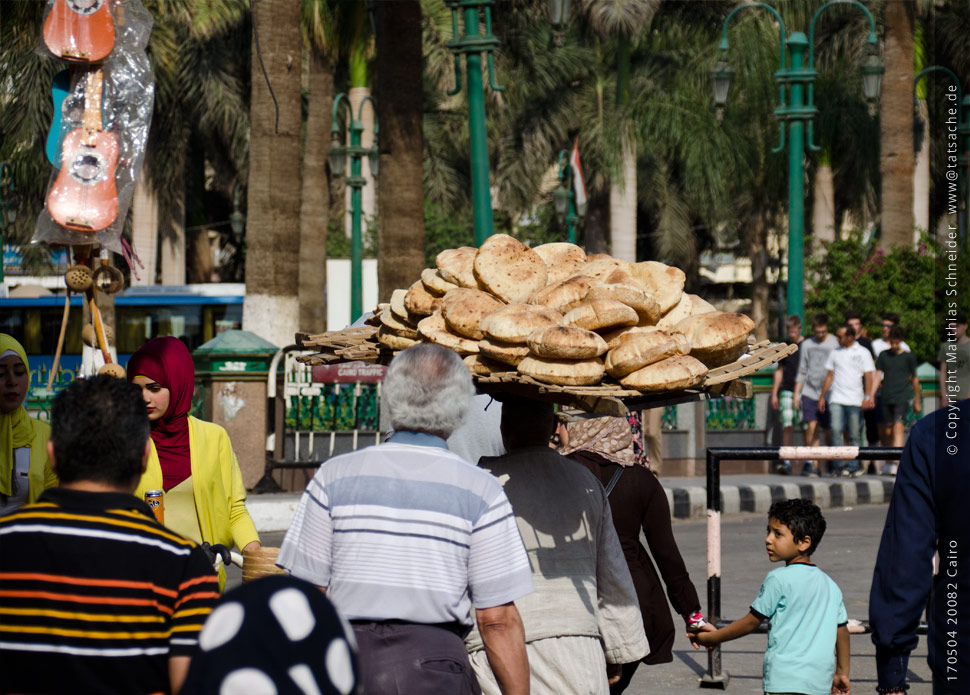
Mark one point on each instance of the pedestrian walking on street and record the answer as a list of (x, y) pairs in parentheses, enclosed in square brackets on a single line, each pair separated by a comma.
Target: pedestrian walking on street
[(812, 356), (638, 504), (927, 515), (406, 538), (808, 641), (783, 390), (900, 388), (850, 374), (583, 615)]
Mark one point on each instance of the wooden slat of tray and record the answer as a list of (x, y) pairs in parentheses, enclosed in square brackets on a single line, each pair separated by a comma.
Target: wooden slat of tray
[(759, 355)]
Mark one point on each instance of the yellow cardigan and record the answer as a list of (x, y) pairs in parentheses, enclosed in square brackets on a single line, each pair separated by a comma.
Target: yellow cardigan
[(220, 497), (40, 476)]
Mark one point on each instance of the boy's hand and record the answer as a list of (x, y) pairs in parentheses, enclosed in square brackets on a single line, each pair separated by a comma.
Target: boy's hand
[(840, 685), (702, 638)]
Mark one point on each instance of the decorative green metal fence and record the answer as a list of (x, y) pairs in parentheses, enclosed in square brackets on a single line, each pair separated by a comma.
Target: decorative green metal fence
[(730, 414), (334, 408)]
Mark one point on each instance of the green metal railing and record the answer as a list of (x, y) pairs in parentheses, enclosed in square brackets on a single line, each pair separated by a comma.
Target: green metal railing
[(336, 408), (730, 414)]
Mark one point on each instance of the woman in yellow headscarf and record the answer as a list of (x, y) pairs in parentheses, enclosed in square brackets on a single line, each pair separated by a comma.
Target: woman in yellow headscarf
[(24, 468)]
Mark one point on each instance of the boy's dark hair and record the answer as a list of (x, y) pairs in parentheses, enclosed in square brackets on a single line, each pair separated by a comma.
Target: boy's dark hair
[(891, 316), (793, 321), (849, 330), (820, 320), (853, 315), (896, 333), (99, 427), (802, 518), (526, 422)]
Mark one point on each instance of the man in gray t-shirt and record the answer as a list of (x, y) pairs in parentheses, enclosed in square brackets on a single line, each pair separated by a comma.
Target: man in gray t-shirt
[(813, 354)]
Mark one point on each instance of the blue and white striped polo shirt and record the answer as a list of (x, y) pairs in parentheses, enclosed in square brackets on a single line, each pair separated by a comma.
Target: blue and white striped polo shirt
[(408, 531)]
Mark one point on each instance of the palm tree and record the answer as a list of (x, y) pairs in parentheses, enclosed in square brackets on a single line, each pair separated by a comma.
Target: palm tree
[(401, 104), (319, 26), (896, 126), (271, 307), (623, 20)]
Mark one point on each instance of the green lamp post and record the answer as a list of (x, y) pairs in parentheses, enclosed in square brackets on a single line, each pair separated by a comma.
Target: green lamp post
[(960, 119), (798, 110), (473, 43), (356, 181), (564, 198), (8, 211)]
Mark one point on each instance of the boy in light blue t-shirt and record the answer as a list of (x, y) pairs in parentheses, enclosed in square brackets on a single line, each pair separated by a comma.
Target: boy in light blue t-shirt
[(808, 642)]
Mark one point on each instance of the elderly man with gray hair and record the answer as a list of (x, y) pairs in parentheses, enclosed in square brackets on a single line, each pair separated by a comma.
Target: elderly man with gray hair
[(406, 538)]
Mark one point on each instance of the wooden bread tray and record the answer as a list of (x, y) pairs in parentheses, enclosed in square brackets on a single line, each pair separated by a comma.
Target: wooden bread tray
[(607, 398)]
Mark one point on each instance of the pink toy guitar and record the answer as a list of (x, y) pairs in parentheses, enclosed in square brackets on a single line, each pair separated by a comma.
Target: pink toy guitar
[(80, 30)]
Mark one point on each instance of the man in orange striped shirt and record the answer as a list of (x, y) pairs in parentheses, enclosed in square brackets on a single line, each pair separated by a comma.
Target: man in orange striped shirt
[(95, 595)]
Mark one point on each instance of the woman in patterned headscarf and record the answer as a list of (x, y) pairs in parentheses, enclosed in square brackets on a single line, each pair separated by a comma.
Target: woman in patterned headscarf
[(24, 468), (191, 461), (637, 499)]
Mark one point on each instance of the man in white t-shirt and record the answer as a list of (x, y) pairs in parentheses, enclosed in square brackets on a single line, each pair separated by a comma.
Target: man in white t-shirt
[(849, 375)]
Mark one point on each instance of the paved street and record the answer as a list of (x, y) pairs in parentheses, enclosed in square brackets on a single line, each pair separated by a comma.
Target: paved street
[(847, 553)]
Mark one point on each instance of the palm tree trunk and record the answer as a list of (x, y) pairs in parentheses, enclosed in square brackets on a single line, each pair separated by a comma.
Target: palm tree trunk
[(896, 119), (173, 237), (921, 178), (400, 98), (271, 307), (144, 231), (315, 202), (623, 205), (823, 208), (760, 289)]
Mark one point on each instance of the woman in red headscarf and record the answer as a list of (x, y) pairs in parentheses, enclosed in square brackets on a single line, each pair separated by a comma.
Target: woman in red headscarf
[(191, 461)]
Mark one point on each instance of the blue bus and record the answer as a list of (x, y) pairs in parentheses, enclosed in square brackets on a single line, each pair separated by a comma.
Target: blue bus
[(193, 313)]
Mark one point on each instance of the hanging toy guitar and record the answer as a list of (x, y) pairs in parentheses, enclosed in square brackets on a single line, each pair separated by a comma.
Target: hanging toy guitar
[(84, 196), (80, 30)]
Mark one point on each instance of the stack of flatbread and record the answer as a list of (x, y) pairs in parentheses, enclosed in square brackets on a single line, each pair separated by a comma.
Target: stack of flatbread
[(560, 317)]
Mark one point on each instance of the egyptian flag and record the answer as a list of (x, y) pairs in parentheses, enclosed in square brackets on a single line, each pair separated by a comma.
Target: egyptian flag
[(579, 183)]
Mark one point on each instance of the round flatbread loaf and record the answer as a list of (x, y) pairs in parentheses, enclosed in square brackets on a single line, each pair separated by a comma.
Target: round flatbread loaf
[(647, 308), (406, 330), (717, 337), (463, 310), (397, 304), (509, 269), (665, 283), (419, 302), (565, 296), (566, 342), (434, 283), (600, 314), (506, 353), (514, 322), (671, 374), (618, 336), (392, 340), (601, 267), (689, 305), (563, 372), (457, 266), (434, 329), (645, 348), (479, 365), (562, 259)]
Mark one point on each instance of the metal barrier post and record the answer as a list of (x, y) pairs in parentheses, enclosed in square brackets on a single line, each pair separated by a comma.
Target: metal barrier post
[(714, 678)]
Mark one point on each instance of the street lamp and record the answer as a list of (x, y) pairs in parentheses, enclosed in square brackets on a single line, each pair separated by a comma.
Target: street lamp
[(962, 121), (8, 211), (337, 165), (564, 198), (473, 44), (797, 111)]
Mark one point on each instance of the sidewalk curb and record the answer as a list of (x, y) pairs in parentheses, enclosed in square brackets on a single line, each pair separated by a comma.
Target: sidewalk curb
[(690, 502), (273, 512)]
